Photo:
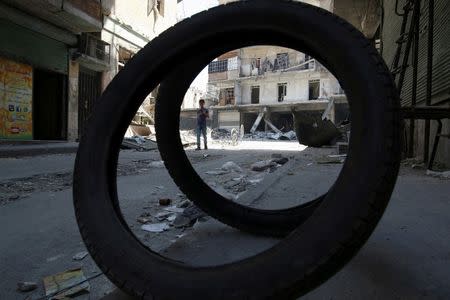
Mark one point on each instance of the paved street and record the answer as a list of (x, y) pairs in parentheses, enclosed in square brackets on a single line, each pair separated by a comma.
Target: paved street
[(407, 257)]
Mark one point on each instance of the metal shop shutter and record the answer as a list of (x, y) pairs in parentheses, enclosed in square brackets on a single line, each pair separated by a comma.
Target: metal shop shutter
[(229, 119)]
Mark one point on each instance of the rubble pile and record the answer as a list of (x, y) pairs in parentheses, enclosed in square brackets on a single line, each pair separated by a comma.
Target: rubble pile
[(266, 135)]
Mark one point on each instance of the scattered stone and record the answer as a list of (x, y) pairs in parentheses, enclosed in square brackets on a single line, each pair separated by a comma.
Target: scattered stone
[(188, 217), (220, 172), (143, 220), (205, 155), (163, 215), (172, 218), (174, 209), (80, 256), (159, 187), (26, 286), (156, 228), (164, 201), (14, 197), (184, 204), (231, 166), (262, 165), (182, 221), (181, 195)]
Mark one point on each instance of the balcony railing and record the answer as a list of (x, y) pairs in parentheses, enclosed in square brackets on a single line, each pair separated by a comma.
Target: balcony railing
[(94, 47)]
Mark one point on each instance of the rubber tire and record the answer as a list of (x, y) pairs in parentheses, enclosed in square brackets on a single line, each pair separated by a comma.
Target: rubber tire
[(277, 223), (336, 229)]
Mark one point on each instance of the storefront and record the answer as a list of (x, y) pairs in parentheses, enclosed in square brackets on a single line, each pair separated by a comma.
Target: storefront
[(33, 85)]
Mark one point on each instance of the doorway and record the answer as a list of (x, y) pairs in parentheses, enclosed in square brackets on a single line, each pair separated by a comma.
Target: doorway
[(49, 105), (89, 83)]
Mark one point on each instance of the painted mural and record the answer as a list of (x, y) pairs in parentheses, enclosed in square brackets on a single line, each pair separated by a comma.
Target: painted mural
[(16, 94)]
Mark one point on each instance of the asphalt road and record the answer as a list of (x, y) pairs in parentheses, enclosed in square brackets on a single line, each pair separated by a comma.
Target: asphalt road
[(408, 256)]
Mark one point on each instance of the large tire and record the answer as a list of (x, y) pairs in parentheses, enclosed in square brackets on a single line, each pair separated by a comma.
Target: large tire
[(338, 227)]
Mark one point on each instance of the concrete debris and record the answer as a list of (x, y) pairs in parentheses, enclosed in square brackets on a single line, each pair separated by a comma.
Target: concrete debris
[(181, 221), (165, 201), (156, 228), (313, 131), (156, 164), (161, 216), (139, 143), (66, 284), (260, 135), (441, 175), (172, 218), (188, 217), (159, 187), (184, 204), (174, 209), (219, 172), (144, 220), (80, 256), (231, 167), (280, 161), (26, 286), (262, 165)]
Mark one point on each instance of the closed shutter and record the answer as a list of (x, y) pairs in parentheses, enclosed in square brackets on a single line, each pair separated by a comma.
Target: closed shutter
[(28, 46), (228, 119), (441, 57)]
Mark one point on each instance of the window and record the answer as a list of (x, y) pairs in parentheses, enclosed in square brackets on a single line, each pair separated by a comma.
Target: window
[(227, 96), (314, 89), (256, 63), (282, 91), (232, 63), (160, 6), (282, 61), (218, 66), (255, 95)]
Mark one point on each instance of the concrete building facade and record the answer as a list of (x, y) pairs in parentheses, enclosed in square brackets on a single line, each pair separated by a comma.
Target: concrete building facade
[(268, 80), (61, 54)]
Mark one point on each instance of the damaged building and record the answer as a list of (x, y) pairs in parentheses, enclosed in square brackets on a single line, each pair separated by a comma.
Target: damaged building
[(259, 87)]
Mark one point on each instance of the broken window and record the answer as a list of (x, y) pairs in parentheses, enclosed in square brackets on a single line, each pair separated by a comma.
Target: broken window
[(314, 89), (227, 96), (282, 91), (232, 63), (255, 94), (218, 66), (282, 61), (160, 6)]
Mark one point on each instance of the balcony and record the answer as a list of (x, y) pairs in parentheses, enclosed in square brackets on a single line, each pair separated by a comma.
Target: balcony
[(93, 53), (73, 15)]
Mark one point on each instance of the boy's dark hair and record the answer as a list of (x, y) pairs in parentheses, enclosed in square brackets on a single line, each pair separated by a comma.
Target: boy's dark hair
[(201, 100)]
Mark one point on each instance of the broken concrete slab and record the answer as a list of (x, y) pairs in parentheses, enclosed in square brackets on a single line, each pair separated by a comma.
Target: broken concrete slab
[(156, 227), (312, 131)]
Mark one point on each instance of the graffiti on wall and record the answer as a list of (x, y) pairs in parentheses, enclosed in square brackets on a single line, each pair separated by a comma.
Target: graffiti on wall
[(16, 94)]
